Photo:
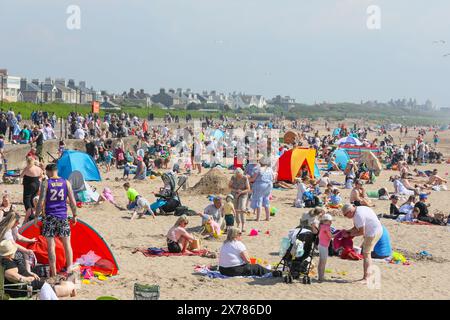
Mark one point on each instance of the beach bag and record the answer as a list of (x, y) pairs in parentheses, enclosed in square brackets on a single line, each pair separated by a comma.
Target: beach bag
[(364, 176), (179, 211), (171, 205), (195, 245)]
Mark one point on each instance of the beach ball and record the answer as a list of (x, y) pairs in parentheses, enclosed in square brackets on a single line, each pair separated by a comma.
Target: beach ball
[(273, 211)]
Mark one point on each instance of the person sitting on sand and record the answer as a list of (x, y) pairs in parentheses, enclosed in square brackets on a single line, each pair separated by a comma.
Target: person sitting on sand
[(15, 273), (399, 188), (142, 208), (177, 237), (358, 195), (6, 204), (141, 170), (436, 180), (334, 165), (302, 188), (215, 210), (234, 260), (424, 215), (393, 208), (324, 180), (211, 227), (9, 230)]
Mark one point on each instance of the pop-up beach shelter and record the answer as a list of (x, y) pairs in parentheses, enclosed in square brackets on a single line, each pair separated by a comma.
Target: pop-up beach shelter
[(341, 159), (316, 171), (290, 163), (72, 160), (336, 132), (83, 238)]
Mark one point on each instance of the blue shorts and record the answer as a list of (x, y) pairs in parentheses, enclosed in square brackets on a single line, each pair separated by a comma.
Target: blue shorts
[(260, 201)]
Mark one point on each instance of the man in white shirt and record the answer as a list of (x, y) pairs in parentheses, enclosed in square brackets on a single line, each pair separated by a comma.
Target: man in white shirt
[(366, 224), (79, 133)]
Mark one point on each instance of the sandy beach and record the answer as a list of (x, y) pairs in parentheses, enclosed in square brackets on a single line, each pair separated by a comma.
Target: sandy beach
[(422, 279)]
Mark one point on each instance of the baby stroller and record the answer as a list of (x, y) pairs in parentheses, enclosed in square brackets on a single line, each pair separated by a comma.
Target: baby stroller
[(168, 199), (298, 266), (10, 176)]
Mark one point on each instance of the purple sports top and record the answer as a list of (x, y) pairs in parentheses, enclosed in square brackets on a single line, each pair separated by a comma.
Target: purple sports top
[(55, 200)]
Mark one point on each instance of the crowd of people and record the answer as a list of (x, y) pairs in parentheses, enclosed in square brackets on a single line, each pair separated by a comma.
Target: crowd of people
[(186, 151)]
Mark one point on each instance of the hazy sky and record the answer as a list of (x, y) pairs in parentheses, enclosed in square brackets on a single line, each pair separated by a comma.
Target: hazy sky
[(313, 50)]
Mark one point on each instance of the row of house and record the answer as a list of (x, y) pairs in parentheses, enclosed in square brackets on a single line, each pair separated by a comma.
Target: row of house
[(182, 99), (15, 89)]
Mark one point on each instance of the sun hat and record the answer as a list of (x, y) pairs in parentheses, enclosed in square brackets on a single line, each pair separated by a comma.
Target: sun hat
[(7, 248), (230, 196), (326, 217)]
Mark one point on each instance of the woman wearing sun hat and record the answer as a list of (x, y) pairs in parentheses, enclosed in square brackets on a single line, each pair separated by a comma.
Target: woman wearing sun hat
[(16, 273)]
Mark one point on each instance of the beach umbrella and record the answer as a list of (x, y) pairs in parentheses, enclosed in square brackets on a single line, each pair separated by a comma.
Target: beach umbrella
[(349, 140)]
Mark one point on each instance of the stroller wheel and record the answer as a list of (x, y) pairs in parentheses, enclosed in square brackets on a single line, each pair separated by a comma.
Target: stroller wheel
[(306, 280)]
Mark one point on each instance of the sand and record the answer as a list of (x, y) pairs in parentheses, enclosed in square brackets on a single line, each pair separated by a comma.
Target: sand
[(423, 279)]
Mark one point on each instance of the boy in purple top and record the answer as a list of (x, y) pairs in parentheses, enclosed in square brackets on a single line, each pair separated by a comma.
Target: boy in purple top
[(54, 193)]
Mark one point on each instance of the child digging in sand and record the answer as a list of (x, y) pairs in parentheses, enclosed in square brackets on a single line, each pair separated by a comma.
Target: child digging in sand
[(325, 237), (142, 207)]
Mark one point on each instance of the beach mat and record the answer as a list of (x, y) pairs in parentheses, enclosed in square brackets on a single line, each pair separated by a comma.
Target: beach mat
[(165, 253), (419, 223), (205, 271)]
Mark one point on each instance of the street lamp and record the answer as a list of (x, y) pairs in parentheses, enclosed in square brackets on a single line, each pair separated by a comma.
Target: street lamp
[(1, 101), (42, 97)]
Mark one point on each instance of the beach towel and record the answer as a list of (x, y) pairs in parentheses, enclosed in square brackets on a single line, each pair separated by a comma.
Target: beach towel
[(163, 252), (418, 222), (204, 270), (346, 244)]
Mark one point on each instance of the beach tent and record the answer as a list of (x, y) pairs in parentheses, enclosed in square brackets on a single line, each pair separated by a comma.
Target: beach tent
[(349, 140), (78, 161), (291, 161), (316, 171), (355, 152), (371, 162), (336, 132), (341, 157), (218, 134), (83, 239)]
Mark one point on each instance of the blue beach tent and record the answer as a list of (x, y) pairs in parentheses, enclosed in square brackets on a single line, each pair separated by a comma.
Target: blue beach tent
[(72, 160), (341, 159)]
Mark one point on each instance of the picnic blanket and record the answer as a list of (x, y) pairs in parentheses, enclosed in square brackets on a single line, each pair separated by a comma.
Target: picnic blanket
[(204, 270), (418, 222), (163, 252)]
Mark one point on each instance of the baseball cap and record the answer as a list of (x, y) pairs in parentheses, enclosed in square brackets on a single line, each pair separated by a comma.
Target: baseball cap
[(423, 196), (327, 217)]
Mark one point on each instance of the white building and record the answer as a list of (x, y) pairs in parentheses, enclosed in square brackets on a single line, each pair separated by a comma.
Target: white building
[(9, 87)]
